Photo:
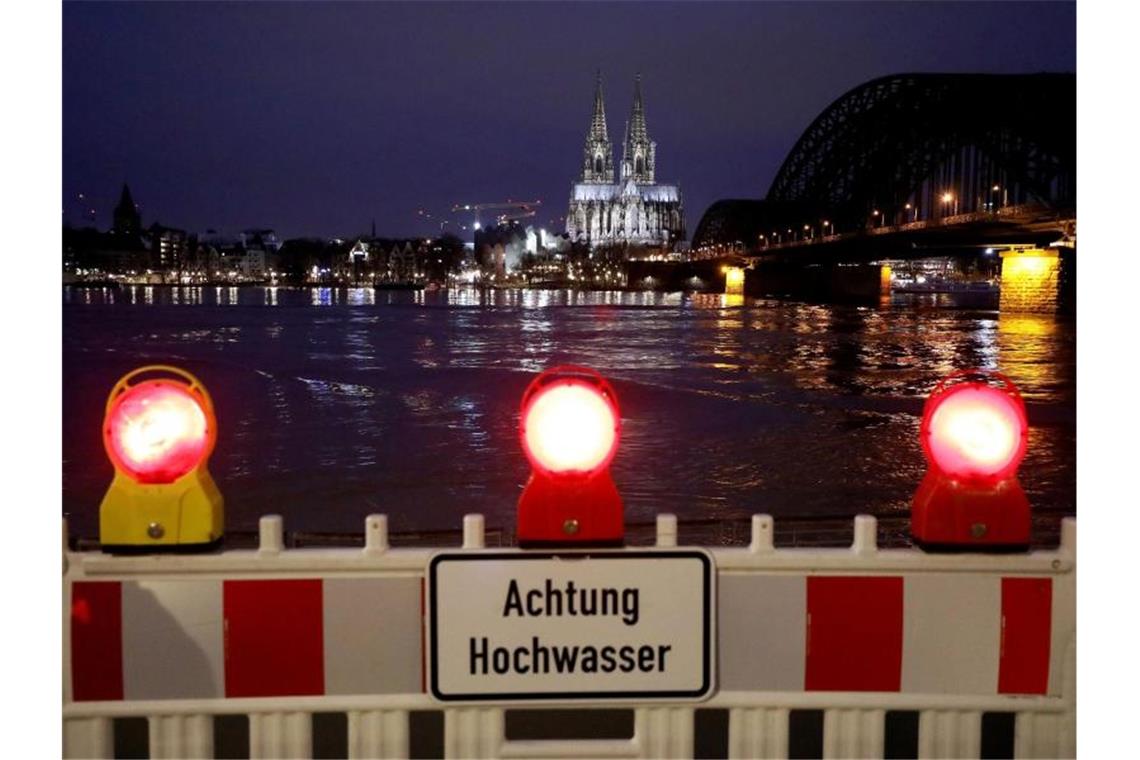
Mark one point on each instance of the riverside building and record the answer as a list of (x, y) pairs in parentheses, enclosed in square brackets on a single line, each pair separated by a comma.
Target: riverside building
[(634, 210)]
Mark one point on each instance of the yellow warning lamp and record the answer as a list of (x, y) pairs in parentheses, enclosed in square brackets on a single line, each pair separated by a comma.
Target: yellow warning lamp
[(159, 430)]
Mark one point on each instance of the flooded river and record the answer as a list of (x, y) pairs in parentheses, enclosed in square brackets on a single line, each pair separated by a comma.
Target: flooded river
[(337, 403)]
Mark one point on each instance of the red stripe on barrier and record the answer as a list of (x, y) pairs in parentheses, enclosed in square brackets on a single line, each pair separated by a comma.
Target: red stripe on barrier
[(96, 640), (274, 638), (1026, 625), (854, 634)]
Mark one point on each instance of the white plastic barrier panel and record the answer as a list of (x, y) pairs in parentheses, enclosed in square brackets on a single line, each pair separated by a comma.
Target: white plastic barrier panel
[(848, 652)]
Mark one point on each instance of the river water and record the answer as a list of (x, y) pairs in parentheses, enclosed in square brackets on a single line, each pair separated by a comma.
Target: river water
[(337, 403)]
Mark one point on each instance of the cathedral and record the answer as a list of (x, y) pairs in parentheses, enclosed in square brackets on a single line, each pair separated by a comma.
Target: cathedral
[(635, 210)]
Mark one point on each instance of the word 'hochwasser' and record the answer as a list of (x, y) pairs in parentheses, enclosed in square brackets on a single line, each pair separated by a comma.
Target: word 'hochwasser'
[(541, 659)]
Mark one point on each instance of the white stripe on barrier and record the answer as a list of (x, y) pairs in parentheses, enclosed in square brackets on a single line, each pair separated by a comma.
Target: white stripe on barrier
[(88, 737), (473, 733), (949, 734), (1062, 636), (853, 733), (1044, 736), (757, 732), (172, 639), (181, 736), (377, 616), (761, 608), (965, 663), (378, 734), (280, 735), (664, 732)]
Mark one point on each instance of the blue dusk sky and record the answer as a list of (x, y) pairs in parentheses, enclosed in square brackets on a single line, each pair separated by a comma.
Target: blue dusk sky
[(316, 118)]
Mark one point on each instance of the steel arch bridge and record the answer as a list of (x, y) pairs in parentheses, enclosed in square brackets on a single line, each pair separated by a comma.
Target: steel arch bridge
[(914, 147)]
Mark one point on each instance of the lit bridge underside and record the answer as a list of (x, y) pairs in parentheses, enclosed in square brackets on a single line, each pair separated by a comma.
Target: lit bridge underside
[(906, 165), (1025, 226)]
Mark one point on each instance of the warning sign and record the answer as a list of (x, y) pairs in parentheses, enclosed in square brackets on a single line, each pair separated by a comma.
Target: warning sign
[(571, 625)]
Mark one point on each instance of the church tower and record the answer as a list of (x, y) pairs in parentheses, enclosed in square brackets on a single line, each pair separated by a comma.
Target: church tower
[(598, 157), (126, 215), (639, 154), (635, 212)]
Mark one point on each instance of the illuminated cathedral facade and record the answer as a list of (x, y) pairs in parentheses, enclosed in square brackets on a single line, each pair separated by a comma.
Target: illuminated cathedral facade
[(634, 210)]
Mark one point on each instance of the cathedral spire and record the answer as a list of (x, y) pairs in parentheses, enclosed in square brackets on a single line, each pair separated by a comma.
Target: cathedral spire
[(597, 158), (598, 130), (639, 153), (637, 118)]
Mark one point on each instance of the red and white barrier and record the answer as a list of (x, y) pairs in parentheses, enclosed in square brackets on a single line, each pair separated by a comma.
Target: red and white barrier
[(279, 635)]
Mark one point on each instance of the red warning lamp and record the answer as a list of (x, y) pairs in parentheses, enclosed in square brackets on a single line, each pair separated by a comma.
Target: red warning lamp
[(569, 427), (159, 430), (974, 433)]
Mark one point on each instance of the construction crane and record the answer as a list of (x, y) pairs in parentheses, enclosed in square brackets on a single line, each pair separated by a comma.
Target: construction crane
[(511, 210)]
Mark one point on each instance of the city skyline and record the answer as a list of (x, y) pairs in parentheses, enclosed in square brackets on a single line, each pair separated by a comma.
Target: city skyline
[(317, 120)]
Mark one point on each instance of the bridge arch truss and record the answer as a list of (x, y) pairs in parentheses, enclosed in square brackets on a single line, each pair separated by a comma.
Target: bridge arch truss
[(915, 147)]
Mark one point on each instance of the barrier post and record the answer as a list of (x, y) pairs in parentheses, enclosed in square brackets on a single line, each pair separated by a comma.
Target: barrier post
[(271, 535), (762, 534), (866, 535), (473, 532), (375, 534), (667, 530)]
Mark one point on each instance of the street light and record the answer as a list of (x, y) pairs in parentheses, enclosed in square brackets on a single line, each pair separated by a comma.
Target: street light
[(1004, 194), (948, 198), (826, 224)]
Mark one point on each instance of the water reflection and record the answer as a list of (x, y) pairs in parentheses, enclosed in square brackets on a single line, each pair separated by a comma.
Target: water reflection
[(537, 340), (1028, 347), (361, 297), (406, 402)]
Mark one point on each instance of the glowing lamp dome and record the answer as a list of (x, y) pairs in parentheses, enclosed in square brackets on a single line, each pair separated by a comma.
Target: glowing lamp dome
[(570, 424), (974, 430), (157, 431)]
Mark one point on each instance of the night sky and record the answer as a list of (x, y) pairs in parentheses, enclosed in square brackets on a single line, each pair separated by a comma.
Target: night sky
[(317, 118)]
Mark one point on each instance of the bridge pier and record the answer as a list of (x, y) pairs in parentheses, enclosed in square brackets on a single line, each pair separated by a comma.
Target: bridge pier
[(734, 281), (1036, 280)]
